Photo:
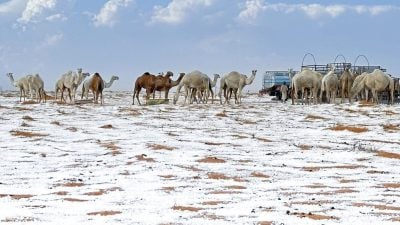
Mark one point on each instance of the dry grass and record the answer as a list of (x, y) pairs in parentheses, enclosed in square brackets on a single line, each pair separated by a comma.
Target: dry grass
[(304, 147), (354, 129), (211, 160), (160, 147), (143, 157), (28, 118), (107, 126), (55, 123), (104, 213), (111, 146), (314, 117), (28, 134), (391, 128)]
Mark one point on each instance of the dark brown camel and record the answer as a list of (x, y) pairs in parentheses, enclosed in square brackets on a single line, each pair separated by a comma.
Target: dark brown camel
[(169, 84), (146, 81), (161, 82), (97, 86)]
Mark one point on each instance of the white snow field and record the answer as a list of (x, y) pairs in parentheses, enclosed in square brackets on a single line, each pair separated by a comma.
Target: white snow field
[(262, 162)]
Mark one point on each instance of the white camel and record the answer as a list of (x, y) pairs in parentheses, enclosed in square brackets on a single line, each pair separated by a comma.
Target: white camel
[(70, 81), (87, 82), (22, 84), (234, 81), (193, 80), (36, 85), (346, 81), (201, 93), (376, 81), (329, 85), (306, 79)]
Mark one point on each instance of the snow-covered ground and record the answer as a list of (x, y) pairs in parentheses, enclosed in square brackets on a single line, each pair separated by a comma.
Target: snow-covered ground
[(262, 162)]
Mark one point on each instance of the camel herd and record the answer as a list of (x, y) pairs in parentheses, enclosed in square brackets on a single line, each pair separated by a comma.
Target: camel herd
[(306, 84), (348, 84), (69, 81)]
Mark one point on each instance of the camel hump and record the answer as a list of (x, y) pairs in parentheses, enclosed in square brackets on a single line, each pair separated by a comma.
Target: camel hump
[(146, 73), (96, 75)]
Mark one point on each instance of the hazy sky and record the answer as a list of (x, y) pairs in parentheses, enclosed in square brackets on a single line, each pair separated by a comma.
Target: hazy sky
[(129, 37)]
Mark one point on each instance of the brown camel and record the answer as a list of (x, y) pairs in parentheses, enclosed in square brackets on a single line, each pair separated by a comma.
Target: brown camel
[(97, 86), (161, 82), (167, 85), (346, 81), (146, 81)]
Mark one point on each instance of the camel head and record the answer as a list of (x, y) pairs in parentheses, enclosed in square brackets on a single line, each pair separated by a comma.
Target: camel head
[(169, 74), (84, 75), (114, 78), (216, 76), (9, 74), (253, 72), (79, 70)]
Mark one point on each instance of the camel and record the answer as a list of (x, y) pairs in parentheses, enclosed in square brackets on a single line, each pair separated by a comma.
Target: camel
[(161, 82), (22, 84), (193, 80), (376, 81), (97, 86), (235, 82), (306, 79), (284, 92), (167, 85), (346, 81), (329, 84), (36, 85), (146, 81), (201, 93), (70, 81), (86, 85)]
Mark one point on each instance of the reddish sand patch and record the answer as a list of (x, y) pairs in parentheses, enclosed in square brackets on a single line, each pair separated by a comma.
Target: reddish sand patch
[(264, 223), (191, 168), (224, 192), (213, 202), (304, 147), (186, 208), (217, 176), (344, 181), (316, 216), (143, 157), (236, 187), (263, 139), (259, 175), (314, 117), (15, 196), (389, 155), (221, 114), (19, 133), (391, 185), (316, 185), (168, 189), (210, 159), (104, 213), (107, 126), (74, 200), (73, 184), (103, 191), (380, 207), (170, 176), (160, 147), (353, 129), (60, 193), (316, 168)]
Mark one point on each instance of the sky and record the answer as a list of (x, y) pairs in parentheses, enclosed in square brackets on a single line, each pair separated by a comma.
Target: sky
[(129, 37)]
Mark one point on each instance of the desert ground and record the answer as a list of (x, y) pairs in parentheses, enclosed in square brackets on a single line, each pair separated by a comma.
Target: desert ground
[(261, 162)]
